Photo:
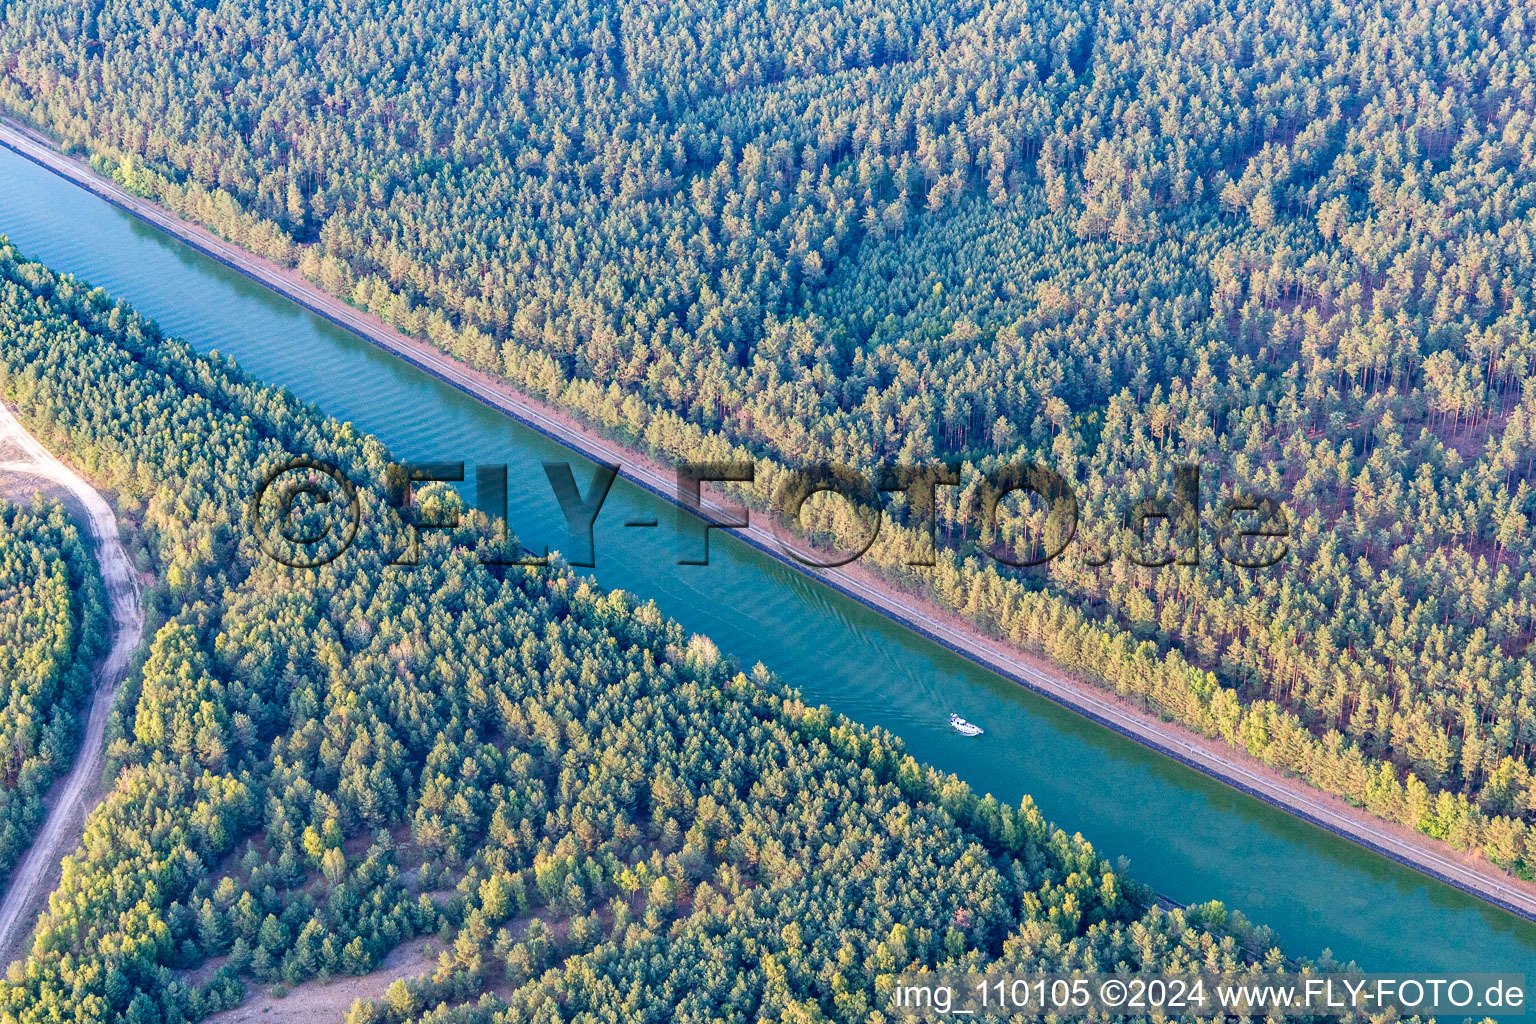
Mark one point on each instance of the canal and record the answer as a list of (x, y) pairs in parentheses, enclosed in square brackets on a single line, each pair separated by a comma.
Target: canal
[(1191, 837)]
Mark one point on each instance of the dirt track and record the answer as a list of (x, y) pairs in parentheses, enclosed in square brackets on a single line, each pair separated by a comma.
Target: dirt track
[(72, 799), (314, 1003)]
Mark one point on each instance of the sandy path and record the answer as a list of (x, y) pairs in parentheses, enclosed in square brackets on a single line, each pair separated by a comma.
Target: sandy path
[(60, 831), (314, 1003), (1434, 858)]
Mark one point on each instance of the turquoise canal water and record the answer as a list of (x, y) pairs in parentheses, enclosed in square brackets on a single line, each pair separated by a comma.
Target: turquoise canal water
[(1192, 838)]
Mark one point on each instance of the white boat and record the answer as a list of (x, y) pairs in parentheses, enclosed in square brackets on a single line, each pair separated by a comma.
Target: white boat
[(963, 727)]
